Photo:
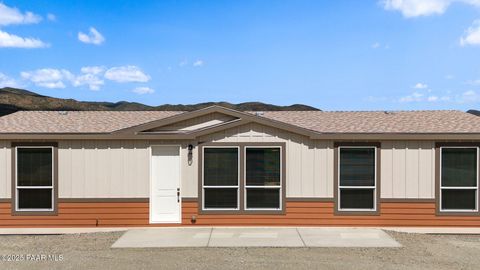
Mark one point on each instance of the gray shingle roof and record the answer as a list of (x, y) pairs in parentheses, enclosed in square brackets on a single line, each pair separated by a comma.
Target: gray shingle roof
[(318, 121), (381, 122), (76, 121)]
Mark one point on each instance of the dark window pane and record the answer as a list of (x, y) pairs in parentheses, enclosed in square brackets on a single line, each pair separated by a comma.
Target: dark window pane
[(263, 198), (34, 198), (357, 166), (34, 166), (220, 198), (220, 166), (459, 167), (356, 198), (263, 166), (458, 199)]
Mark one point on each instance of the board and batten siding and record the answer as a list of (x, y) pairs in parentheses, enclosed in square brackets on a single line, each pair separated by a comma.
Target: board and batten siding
[(408, 170), (309, 162), (103, 169), (121, 169)]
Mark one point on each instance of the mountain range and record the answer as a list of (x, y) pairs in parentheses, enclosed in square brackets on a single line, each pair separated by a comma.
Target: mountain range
[(14, 99)]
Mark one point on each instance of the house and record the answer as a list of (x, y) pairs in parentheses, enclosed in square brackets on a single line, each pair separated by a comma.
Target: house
[(218, 166)]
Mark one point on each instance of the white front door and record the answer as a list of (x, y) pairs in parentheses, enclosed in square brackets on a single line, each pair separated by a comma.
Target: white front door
[(165, 195)]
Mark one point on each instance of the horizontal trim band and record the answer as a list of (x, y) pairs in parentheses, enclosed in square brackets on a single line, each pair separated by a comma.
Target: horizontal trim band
[(406, 200), (94, 200), (309, 199)]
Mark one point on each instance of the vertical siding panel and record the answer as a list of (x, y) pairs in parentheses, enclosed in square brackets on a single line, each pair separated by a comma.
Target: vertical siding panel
[(412, 170), (319, 172), (308, 163), (330, 168), (3, 173), (399, 169), (91, 163), (9, 150), (116, 170), (425, 173), (143, 167), (64, 167), (128, 163), (386, 171), (78, 169), (294, 185)]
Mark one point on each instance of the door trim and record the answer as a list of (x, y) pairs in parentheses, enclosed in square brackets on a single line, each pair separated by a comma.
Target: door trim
[(179, 221)]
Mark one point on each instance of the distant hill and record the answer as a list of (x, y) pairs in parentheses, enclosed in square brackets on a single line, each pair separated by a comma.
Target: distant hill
[(475, 112), (13, 99)]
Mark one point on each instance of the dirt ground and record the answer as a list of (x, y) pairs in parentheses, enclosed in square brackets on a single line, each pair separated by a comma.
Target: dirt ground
[(92, 251)]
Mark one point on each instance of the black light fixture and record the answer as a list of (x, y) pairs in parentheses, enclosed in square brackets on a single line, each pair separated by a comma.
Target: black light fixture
[(190, 148)]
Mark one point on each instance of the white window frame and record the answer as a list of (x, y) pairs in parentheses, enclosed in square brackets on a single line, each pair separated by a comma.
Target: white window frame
[(52, 187), (212, 187), (279, 187), (339, 186), (458, 187)]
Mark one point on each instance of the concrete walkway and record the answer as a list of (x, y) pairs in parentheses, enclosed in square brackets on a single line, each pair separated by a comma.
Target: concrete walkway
[(255, 237)]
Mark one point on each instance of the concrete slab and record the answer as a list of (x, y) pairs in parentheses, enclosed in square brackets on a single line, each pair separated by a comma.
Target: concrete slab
[(255, 237), (435, 230), (346, 237), (164, 237)]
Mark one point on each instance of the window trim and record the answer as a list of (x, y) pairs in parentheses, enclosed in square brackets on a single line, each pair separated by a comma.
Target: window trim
[(213, 187), (441, 188), (14, 189), (245, 187), (377, 187), (242, 209)]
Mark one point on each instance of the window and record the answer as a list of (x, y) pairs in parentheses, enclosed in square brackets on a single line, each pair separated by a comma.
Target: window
[(34, 178), (459, 179), (242, 177), (357, 178), (262, 178), (221, 178)]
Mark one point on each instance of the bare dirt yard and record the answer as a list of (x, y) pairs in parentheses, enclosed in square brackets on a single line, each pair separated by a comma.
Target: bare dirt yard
[(92, 251)]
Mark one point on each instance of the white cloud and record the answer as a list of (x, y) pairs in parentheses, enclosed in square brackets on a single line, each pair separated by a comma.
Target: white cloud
[(93, 37), (183, 63), (143, 90), (472, 35), (48, 77), (9, 15), (420, 86), (416, 8), (414, 97), (6, 81), (126, 74), (90, 77), (51, 17), (375, 45), (469, 96), (432, 98), (198, 63), (12, 41)]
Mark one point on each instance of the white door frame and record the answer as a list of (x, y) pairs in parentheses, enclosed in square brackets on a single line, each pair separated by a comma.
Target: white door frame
[(179, 184)]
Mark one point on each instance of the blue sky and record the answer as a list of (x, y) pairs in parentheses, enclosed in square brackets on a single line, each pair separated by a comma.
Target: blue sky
[(334, 55)]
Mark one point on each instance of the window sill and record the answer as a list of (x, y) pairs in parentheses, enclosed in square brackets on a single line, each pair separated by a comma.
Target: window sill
[(357, 212), (241, 212), (34, 213)]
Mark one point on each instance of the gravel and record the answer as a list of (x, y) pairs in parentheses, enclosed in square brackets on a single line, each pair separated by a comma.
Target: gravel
[(92, 251)]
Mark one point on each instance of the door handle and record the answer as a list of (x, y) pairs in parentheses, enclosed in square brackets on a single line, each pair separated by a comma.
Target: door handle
[(178, 195)]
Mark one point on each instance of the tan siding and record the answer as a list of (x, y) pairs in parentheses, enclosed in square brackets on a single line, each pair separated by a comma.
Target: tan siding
[(5, 171), (309, 171), (407, 169), (103, 169)]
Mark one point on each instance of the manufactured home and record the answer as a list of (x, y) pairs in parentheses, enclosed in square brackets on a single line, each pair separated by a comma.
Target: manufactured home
[(218, 166)]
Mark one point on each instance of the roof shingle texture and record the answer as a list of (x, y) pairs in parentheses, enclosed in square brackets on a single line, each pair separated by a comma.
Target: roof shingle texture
[(319, 121), (381, 122), (76, 121)]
